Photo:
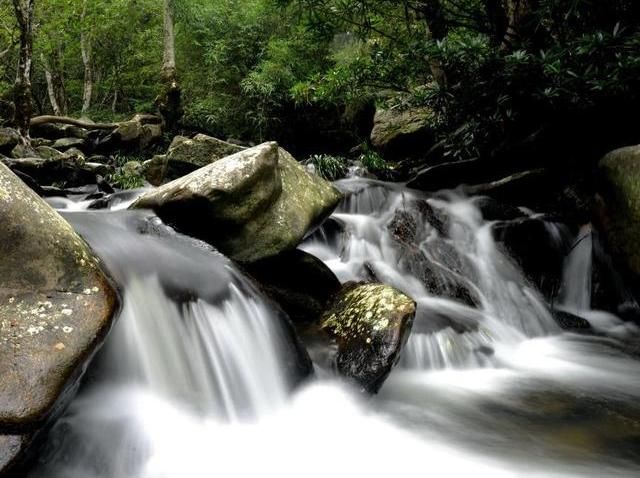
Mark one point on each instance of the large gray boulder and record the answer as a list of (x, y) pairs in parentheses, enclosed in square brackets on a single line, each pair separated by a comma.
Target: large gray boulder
[(56, 305), (371, 324), (401, 133), (254, 204)]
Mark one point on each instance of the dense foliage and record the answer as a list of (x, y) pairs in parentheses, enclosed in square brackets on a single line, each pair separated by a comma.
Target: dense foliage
[(306, 72)]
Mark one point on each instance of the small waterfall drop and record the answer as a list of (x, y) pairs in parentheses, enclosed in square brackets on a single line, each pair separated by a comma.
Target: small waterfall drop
[(462, 255)]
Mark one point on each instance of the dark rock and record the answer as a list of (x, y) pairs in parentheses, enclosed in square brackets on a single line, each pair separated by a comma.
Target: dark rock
[(493, 210), (56, 305), (537, 247), (571, 322), (371, 324), (299, 282), (9, 138)]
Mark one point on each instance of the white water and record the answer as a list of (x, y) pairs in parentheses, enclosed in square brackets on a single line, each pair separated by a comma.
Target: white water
[(193, 380)]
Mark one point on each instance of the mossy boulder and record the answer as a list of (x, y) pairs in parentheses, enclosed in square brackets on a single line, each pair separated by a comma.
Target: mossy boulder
[(401, 133), (371, 324), (619, 207), (56, 305), (200, 150), (251, 205)]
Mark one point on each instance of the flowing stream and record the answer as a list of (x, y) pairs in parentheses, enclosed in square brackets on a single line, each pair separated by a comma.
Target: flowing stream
[(200, 376)]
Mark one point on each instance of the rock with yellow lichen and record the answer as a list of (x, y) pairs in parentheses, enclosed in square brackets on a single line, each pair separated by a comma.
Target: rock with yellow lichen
[(251, 205), (371, 324), (56, 305)]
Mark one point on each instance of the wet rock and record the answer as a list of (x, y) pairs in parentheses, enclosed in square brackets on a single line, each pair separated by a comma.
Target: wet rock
[(538, 247), (437, 265), (299, 282), (402, 133), (571, 322), (9, 138), (254, 204), (619, 204), (371, 324), (56, 305), (13, 451)]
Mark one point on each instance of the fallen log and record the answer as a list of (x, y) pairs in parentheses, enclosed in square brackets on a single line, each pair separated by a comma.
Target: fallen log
[(39, 120)]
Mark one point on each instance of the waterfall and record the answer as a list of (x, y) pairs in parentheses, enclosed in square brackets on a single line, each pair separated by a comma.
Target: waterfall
[(197, 377), (509, 309)]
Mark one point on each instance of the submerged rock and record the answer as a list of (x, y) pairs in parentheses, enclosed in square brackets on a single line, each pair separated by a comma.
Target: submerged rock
[(619, 208), (254, 204), (371, 324), (56, 305)]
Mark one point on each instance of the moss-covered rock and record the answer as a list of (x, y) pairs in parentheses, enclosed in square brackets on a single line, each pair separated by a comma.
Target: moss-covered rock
[(254, 204), (371, 324), (200, 150), (620, 206), (401, 133), (56, 305)]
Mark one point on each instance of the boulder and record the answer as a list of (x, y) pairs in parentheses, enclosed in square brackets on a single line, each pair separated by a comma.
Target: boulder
[(54, 131), (401, 133), (63, 144), (56, 305), (47, 152), (138, 133), (9, 138), (251, 205), (300, 283), (154, 170), (619, 203), (186, 155), (371, 324)]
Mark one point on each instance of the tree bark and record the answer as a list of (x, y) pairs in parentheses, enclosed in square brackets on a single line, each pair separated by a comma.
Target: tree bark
[(51, 89), (22, 92), (85, 48), (169, 102)]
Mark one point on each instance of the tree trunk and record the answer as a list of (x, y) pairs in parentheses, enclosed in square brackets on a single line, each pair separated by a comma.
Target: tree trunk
[(22, 91), (51, 89), (85, 48), (432, 13), (521, 26), (169, 102)]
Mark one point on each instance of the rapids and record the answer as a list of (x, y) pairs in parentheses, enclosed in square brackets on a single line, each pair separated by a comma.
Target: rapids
[(198, 377)]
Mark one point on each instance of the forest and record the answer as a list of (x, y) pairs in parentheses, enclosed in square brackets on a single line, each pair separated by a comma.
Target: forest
[(319, 237)]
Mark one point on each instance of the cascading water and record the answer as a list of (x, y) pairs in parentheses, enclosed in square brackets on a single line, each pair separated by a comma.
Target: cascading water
[(195, 380)]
